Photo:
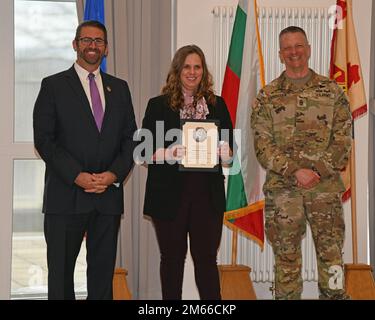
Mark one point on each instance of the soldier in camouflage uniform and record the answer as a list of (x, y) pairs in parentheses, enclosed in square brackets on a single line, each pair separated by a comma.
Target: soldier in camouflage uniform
[(302, 137)]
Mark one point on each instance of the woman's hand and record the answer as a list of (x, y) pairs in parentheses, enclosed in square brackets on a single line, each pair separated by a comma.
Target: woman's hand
[(224, 152), (174, 153)]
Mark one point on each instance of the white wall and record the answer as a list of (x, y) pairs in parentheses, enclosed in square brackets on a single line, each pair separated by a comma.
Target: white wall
[(193, 27), (362, 19)]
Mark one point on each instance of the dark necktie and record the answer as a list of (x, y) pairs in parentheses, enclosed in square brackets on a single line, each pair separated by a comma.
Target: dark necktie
[(96, 102)]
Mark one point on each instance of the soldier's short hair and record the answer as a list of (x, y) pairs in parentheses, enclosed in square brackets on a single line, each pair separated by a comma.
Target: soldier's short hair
[(292, 29)]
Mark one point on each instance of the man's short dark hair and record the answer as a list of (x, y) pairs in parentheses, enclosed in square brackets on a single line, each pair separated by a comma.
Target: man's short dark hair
[(91, 23), (292, 29)]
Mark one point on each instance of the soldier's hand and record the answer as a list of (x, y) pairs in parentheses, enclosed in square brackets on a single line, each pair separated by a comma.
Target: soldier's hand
[(307, 178)]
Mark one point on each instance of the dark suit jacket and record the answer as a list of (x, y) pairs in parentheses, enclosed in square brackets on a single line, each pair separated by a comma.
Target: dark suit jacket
[(164, 181), (67, 139)]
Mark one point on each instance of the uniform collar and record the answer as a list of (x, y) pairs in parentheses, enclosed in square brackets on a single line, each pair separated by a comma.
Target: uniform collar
[(287, 84)]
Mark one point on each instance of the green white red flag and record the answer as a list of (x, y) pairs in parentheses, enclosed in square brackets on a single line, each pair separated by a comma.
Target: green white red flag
[(243, 77)]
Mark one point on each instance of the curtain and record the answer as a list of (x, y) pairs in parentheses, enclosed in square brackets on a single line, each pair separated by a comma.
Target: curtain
[(80, 9)]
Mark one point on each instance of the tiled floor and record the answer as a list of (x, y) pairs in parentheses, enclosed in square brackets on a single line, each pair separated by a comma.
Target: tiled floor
[(29, 267)]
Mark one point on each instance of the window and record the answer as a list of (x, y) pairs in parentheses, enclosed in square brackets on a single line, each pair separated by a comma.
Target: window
[(44, 31)]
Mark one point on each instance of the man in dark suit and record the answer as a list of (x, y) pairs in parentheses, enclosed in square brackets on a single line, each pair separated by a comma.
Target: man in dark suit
[(83, 130)]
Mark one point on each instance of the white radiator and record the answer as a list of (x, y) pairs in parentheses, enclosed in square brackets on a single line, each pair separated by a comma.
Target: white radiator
[(315, 21)]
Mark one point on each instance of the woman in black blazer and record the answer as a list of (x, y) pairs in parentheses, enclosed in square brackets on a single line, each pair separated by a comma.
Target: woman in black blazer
[(186, 203)]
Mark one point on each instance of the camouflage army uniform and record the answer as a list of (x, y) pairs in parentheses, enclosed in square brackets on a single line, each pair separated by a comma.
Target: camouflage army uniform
[(295, 127)]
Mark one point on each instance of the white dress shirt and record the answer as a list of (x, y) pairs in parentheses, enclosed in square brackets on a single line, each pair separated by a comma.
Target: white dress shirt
[(83, 75)]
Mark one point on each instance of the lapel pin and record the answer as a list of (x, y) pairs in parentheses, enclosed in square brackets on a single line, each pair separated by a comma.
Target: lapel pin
[(109, 89)]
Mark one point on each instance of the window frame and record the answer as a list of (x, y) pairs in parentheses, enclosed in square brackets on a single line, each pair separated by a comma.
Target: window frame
[(9, 149)]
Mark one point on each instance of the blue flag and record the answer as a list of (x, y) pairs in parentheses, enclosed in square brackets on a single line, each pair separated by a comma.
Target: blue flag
[(94, 10)]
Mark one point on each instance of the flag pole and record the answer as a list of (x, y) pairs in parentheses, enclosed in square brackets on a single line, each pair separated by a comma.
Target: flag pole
[(234, 246), (353, 203)]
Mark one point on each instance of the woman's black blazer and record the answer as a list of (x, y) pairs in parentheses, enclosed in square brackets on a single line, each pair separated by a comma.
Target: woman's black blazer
[(164, 181)]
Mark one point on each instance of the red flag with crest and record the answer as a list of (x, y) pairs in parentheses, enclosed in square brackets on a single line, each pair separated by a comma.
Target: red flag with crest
[(346, 68)]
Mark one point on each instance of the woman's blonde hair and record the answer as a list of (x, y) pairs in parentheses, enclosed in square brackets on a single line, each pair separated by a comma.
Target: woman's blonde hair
[(173, 86)]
